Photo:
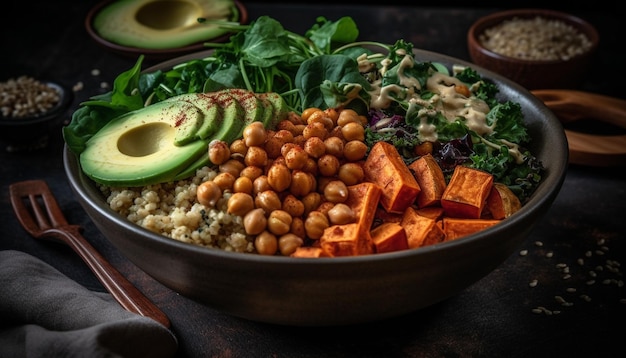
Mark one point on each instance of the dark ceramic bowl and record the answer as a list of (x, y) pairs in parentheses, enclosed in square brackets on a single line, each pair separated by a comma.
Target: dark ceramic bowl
[(153, 54), (340, 290), (533, 74), (27, 132)]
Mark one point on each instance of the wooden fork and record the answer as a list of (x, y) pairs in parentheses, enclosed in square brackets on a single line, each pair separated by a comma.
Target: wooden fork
[(27, 199)]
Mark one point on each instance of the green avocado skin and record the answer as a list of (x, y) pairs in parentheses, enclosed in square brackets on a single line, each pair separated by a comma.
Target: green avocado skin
[(168, 140)]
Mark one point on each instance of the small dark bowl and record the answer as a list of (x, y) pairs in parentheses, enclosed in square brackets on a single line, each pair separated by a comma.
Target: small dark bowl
[(533, 74), (153, 54), (30, 132), (339, 290)]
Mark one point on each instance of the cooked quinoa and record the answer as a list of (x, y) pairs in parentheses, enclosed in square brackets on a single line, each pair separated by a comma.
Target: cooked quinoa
[(536, 38), (172, 210)]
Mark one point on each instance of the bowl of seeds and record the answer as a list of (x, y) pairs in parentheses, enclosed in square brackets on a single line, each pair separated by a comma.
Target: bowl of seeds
[(30, 109), (536, 48)]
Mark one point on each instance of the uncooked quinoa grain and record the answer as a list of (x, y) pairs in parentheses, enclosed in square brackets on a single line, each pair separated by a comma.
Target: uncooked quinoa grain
[(537, 38), (26, 97)]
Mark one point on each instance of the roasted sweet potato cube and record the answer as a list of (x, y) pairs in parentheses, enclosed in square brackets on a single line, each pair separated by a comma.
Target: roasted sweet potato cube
[(466, 193), (502, 202), (433, 212), (389, 237), (455, 228), (346, 240), (309, 251), (363, 199), (385, 167), (420, 230), (431, 180), (383, 215)]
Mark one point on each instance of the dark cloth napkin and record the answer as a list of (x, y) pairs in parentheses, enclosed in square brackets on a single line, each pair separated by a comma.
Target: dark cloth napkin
[(43, 313)]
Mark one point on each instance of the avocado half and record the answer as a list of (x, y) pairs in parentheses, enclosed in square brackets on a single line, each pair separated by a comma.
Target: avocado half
[(168, 140), (163, 24)]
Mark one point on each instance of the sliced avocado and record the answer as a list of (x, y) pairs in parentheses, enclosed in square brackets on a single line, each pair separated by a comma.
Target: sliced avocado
[(232, 120), (209, 106), (280, 107), (252, 105), (139, 147), (190, 170), (268, 114), (154, 24)]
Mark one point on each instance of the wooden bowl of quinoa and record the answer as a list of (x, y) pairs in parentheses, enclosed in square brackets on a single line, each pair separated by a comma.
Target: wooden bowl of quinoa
[(536, 48)]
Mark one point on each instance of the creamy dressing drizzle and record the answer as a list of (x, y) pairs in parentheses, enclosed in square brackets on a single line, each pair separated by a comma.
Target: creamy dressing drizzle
[(446, 100)]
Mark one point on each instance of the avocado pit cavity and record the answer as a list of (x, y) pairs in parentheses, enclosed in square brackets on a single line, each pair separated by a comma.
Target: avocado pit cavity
[(145, 140)]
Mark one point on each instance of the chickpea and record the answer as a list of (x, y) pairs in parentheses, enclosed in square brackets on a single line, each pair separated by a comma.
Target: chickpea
[(232, 166), (284, 135), (328, 165), (315, 224), (307, 113), (279, 222), (336, 132), (311, 201), (341, 214), (240, 204), (346, 116), (208, 193), (287, 125), (288, 243), (255, 222), (266, 243), (225, 180), (353, 131), (321, 117), (351, 173), (310, 166), (286, 148), (238, 146), (297, 227), (256, 156), (315, 147), (254, 134), (301, 183), (219, 152), (268, 200), (315, 129), (243, 185), (354, 150), (333, 114), (295, 118), (325, 207), (251, 172), (336, 191), (279, 177), (293, 206), (272, 147), (296, 157), (334, 146), (260, 184)]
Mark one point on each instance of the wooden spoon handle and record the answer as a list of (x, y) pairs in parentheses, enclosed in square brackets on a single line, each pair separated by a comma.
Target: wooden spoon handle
[(584, 148), (120, 288)]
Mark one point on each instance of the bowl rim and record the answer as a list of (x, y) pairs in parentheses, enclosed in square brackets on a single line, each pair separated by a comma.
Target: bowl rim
[(66, 96), (154, 53), (541, 198), (496, 18)]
